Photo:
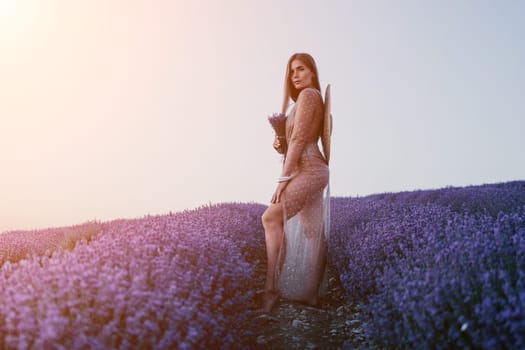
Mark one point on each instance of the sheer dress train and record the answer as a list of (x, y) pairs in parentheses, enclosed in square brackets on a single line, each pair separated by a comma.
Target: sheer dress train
[(301, 273)]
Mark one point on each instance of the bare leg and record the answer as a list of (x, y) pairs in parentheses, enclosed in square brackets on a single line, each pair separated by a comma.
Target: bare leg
[(273, 229)]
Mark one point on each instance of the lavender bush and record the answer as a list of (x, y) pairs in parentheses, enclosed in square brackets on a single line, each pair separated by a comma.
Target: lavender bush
[(436, 269), (173, 281), (18, 245), (432, 269)]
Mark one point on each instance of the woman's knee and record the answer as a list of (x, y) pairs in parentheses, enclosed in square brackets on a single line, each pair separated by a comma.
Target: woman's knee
[(272, 215)]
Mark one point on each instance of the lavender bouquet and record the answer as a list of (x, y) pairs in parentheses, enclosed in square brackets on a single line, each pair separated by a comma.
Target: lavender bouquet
[(278, 122)]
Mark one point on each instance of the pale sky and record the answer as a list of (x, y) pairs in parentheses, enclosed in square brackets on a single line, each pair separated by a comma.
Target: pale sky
[(122, 108)]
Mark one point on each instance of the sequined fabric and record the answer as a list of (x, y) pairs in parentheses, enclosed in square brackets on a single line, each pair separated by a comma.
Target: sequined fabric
[(302, 272)]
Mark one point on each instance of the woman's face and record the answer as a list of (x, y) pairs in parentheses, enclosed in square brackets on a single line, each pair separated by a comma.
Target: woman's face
[(300, 75)]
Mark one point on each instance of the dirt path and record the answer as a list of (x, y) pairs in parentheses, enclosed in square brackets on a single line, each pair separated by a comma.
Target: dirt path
[(335, 325)]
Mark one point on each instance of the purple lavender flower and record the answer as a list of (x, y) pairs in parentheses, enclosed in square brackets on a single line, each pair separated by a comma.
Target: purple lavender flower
[(429, 268), (278, 122), (435, 268)]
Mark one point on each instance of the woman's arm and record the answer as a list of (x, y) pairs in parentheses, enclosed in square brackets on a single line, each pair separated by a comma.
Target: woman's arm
[(307, 102)]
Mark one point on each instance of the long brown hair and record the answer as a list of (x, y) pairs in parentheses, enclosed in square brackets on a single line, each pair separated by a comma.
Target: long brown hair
[(289, 90)]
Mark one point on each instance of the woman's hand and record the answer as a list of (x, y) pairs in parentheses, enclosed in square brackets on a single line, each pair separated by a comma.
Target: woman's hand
[(279, 144), (276, 143), (276, 198)]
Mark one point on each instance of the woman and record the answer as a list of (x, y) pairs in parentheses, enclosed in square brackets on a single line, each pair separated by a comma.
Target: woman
[(296, 223)]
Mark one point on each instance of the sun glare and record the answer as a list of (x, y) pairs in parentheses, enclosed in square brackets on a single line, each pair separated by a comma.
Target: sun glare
[(16, 18), (6, 4), (7, 11)]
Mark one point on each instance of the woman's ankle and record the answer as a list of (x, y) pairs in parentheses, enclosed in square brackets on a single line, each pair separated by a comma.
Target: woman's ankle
[(269, 301)]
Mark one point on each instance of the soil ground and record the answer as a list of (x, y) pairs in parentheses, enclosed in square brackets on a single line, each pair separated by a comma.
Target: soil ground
[(336, 324)]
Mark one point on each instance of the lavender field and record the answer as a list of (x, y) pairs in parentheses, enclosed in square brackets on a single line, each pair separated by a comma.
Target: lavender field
[(436, 269), (432, 269)]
